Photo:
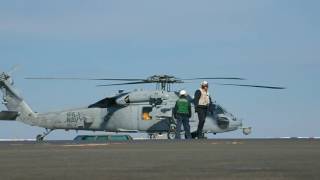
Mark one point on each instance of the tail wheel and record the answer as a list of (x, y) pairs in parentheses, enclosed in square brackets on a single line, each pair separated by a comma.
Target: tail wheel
[(39, 138)]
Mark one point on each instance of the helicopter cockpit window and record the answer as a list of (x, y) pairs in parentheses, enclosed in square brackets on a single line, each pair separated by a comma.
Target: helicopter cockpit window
[(219, 110), (146, 113), (127, 100)]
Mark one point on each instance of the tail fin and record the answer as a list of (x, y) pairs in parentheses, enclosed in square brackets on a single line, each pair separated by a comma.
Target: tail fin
[(13, 101)]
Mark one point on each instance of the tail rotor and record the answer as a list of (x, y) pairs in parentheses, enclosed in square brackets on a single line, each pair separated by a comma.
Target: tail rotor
[(6, 76), (14, 69)]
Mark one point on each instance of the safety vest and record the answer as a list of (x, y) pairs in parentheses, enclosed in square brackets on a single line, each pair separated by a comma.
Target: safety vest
[(183, 106), (204, 99)]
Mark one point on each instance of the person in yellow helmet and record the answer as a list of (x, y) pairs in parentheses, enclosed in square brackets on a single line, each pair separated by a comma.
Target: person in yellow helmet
[(182, 112)]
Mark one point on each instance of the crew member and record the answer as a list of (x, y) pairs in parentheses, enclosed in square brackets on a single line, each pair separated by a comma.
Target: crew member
[(203, 104), (182, 112)]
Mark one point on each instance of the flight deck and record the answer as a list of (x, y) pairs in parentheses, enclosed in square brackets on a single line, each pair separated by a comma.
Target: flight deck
[(276, 159)]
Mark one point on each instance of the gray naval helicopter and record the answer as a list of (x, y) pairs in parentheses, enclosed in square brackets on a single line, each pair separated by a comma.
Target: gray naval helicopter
[(148, 111)]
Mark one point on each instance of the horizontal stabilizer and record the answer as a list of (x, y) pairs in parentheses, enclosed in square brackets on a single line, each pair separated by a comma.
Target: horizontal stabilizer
[(8, 115)]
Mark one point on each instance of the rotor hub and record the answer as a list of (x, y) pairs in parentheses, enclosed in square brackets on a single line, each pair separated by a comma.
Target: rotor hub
[(163, 81)]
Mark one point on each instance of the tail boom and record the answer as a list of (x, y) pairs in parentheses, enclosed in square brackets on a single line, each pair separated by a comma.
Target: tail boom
[(14, 102)]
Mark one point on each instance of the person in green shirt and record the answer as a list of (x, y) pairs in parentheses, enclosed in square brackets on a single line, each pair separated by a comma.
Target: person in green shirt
[(182, 112)]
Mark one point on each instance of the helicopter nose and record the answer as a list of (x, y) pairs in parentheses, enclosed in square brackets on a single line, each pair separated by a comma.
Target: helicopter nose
[(236, 122)]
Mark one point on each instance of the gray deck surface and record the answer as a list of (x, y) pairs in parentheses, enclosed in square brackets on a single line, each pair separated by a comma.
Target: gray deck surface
[(152, 160)]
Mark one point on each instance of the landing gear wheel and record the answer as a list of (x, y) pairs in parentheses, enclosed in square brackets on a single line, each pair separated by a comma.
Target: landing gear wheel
[(172, 135), (152, 136), (247, 131), (39, 138)]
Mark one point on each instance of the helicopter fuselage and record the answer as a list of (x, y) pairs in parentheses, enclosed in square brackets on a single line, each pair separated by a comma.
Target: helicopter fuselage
[(138, 111), (149, 111)]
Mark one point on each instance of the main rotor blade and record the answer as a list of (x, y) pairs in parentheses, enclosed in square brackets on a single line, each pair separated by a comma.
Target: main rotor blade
[(111, 79), (215, 78), (120, 84), (254, 86), (124, 79), (85, 79)]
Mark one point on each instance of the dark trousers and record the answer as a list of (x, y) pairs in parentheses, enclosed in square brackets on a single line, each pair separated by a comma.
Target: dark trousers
[(202, 114), (185, 121)]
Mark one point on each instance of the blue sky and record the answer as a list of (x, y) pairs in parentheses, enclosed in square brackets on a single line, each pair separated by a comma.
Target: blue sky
[(267, 41)]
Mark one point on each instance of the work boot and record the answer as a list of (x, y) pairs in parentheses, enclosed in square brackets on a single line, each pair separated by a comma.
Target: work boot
[(200, 135)]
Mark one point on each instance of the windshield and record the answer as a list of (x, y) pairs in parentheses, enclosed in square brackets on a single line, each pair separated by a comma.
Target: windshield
[(219, 110)]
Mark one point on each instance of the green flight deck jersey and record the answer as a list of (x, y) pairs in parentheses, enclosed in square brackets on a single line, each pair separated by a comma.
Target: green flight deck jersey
[(183, 107)]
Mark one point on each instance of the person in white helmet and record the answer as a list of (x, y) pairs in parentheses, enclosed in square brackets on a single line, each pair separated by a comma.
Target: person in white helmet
[(202, 103), (182, 112)]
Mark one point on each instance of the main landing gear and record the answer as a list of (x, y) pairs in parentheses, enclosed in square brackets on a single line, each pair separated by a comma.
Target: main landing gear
[(172, 133), (41, 137)]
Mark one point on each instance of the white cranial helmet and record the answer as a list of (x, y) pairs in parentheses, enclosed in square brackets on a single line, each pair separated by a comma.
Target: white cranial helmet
[(183, 93), (204, 83)]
